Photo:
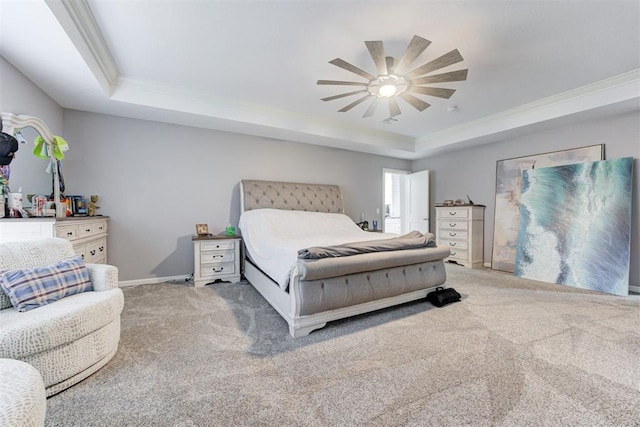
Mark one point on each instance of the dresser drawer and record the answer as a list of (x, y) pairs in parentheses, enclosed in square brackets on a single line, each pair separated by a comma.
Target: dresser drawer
[(457, 244), (452, 225), (218, 246), (453, 213), (217, 256), (96, 251), (217, 269), (453, 234), (459, 254), (69, 232)]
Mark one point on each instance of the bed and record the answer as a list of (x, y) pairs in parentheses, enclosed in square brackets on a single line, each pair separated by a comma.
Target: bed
[(280, 220)]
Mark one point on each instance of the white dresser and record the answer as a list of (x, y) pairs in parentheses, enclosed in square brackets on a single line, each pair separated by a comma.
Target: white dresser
[(88, 234), (461, 228), (216, 258)]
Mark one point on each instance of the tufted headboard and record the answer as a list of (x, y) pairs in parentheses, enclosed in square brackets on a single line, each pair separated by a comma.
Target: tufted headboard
[(292, 196)]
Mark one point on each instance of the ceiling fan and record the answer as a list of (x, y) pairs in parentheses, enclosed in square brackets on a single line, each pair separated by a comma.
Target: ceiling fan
[(394, 80)]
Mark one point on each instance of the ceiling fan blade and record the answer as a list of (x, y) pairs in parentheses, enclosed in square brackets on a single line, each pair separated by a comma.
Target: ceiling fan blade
[(453, 76), (445, 60), (416, 46), (345, 65), (394, 108), (433, 91), (342, 95), (372, 108), (390, 63), (376, 50), (417, 103), (341, 83), (354, 103)]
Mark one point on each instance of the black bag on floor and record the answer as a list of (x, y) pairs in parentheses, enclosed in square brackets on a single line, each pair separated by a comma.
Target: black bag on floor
[(442, 296)]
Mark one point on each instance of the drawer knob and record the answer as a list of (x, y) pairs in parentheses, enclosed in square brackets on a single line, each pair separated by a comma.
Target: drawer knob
[(101, 248), (93, 252), (218, 271), (69, 233), (452, 213), (88, 230), (452, 225), (452, 243), (453, 253), (452, 234)]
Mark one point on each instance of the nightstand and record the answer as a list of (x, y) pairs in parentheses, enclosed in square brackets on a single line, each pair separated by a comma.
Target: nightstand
[(216, 259)]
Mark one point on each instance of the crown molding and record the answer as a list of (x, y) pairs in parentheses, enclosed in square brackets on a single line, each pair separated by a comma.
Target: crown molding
[(616, 89), (79, 24), (223, 114)]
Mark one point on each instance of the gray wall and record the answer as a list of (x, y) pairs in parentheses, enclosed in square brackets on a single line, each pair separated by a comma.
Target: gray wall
[(156, 181), (473, 171), (18, 95)]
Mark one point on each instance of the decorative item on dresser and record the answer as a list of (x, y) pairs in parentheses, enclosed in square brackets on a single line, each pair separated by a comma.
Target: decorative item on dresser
[(87, 234), (216, 258), (462, 229)]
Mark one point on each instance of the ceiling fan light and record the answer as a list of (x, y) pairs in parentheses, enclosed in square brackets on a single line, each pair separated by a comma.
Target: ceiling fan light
[(388, 90)]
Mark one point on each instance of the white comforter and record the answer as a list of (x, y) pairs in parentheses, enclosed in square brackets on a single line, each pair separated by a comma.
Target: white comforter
[(273, 237)]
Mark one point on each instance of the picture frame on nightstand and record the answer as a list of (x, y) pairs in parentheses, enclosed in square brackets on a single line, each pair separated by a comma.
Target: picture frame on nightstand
[(202, 229)]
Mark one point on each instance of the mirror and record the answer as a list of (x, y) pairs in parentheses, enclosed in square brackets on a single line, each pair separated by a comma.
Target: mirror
[(28, 171)]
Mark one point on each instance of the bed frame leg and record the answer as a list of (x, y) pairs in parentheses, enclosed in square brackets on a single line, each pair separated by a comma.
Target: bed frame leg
[(304, 331)]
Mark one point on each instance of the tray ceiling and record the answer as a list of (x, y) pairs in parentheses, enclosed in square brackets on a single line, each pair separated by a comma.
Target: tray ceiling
[(251, 66)]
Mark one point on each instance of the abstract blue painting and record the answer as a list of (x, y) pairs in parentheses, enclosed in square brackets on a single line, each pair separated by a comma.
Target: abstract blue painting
[(575, 225)]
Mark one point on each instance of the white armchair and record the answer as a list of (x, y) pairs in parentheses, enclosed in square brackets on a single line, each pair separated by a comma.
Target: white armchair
[(71, 338)]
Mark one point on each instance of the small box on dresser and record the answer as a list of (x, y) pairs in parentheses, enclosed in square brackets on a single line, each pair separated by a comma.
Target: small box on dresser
[(216, 258), (462, 229)]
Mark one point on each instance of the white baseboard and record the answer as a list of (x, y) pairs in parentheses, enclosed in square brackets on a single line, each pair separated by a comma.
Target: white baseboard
[(487, 264), (152, 280), (634, 288)]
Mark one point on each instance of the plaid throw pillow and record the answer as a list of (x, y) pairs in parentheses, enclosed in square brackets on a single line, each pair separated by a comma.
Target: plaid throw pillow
[(34, 287)]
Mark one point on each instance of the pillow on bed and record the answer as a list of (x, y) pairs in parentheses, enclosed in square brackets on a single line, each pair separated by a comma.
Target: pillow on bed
[(34, 287)]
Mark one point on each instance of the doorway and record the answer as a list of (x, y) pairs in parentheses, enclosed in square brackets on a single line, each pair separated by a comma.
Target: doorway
[(405, 201)]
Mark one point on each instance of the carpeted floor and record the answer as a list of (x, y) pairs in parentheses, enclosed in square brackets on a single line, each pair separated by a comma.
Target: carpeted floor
[(512, 352)]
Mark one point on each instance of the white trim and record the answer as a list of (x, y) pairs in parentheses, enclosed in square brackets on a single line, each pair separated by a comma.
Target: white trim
[(634, 288), (77, 20), (152, 280), (487, 264), (605, 92)]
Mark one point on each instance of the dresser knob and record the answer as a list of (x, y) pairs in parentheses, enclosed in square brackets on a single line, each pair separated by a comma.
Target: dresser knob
[(452, 213), (452, 234), (452, 243), (452, 225)]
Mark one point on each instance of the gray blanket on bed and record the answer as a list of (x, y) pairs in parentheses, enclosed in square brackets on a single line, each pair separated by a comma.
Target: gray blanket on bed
[(411, 240)]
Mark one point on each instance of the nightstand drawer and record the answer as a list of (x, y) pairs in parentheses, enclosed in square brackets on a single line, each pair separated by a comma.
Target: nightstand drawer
[(217, 269), (223, 245), (217, 256)]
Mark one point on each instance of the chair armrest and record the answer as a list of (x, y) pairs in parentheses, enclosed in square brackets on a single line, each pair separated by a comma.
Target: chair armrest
[(104, 277)]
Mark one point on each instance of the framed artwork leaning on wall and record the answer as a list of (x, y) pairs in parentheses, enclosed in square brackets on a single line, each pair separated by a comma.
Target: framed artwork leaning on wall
[(507, 197)]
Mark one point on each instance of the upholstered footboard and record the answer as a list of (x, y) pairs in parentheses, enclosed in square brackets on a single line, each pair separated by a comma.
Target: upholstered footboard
[(310, 304)]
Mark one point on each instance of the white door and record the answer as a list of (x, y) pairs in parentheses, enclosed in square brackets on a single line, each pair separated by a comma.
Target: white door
[(418, 190)]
